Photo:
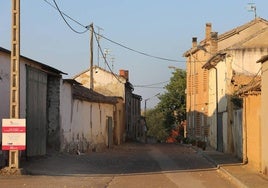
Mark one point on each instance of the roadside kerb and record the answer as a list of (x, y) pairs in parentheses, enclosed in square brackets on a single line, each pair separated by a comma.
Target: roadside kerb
[(221, 168)]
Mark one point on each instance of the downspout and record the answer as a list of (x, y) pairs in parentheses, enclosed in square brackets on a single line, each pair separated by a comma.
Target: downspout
[(217, 105), (245, 155)]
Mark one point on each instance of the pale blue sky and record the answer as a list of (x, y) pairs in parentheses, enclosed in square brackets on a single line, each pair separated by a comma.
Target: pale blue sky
[(157, 27)]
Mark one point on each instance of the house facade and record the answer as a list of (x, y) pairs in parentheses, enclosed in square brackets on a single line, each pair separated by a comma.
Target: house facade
[(110, 84), (264, 110), (88, 119), (229, 54), (39, 102)]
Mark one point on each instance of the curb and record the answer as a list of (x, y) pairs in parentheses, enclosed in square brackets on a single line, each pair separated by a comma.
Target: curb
[(221, 169), (233, 178)]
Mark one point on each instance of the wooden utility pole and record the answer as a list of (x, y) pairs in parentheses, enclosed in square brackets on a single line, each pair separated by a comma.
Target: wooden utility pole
[(91, 57), (15, 75)]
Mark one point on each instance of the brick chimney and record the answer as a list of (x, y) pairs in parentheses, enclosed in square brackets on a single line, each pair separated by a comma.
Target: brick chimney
[(124, 73), (214, 42), (194, 42), (208, 30)]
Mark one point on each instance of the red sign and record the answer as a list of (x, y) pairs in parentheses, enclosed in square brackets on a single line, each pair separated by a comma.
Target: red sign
[(13, 134)]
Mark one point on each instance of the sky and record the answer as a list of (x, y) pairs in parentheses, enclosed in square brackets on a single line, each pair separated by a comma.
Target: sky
[(154, 27)]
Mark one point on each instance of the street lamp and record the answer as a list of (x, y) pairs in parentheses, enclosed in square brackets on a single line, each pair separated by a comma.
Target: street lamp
[(145, 102)]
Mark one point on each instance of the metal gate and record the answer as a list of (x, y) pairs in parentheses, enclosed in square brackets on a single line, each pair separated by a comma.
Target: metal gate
[(36, 113)]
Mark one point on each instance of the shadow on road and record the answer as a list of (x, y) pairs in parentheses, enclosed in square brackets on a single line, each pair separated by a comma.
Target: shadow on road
[(125, 159)]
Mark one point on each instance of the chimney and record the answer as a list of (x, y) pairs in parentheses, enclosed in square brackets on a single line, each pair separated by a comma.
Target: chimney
[(124, 73), (214, 42), (208, 30), (194, 42)]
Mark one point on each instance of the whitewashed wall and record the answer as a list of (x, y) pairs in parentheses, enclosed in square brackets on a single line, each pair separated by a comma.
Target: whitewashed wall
[(83, 124)]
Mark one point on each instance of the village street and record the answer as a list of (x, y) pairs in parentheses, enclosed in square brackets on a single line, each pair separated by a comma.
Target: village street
[(128, 165)]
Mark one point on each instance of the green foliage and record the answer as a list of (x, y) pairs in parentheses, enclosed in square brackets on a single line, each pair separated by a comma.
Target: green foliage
[(155, 123), (170, 110), (173, 102)]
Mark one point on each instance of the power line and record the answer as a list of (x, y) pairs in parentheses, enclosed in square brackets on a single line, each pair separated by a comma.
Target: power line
[(62, 15), (66, 15), (110, 40), (140, 52), (148, 85), (105, 60)]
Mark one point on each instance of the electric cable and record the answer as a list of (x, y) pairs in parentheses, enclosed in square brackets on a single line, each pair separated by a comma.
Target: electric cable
[(62, 15), (105, 60), (106, 38), (148, 85), (139, 52)]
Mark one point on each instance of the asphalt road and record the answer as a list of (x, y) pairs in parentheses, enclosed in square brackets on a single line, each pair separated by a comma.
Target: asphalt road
[(128, 165)]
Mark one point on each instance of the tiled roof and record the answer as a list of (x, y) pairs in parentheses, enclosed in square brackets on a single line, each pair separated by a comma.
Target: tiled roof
[(41, 65), (246, 85), (241, 28), (82, 93), (231, 33)]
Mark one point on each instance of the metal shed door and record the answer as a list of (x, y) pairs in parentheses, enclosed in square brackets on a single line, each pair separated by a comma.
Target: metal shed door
[(36, 112)]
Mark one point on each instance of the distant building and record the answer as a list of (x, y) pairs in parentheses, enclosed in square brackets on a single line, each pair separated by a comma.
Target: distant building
[(88, 119), (110, 84)]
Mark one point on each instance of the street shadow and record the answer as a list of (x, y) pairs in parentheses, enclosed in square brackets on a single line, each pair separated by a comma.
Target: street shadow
[(130, 158)]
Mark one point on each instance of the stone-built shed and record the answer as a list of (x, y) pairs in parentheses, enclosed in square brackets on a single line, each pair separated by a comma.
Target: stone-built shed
[(39, 102), (88, 119)]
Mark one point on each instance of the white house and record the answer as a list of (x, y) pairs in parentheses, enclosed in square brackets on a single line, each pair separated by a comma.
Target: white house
[(87, 118), (110, 84)]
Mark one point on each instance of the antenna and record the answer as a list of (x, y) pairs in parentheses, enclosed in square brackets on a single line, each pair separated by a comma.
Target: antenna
[(99, 37), (252, 8), (106, 53)]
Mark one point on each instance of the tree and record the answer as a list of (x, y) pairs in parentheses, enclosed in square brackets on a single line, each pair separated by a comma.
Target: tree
[(155, 122), (173, 102)]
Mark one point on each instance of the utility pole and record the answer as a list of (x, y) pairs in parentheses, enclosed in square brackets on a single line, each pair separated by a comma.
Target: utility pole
[(91, 57), (15, 75)]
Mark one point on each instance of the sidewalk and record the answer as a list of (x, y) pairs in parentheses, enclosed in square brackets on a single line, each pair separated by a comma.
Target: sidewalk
[(239, 173)]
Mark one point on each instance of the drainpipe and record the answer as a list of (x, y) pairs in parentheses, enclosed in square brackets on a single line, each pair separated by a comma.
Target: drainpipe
[(217, 105), (244, 136)]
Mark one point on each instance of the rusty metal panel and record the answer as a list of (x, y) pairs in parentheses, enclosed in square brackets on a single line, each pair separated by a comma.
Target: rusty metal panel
[(36, 113)]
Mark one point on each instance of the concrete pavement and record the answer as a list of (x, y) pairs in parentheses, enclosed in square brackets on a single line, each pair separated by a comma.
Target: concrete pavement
[(167, 164), (241, 174)]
